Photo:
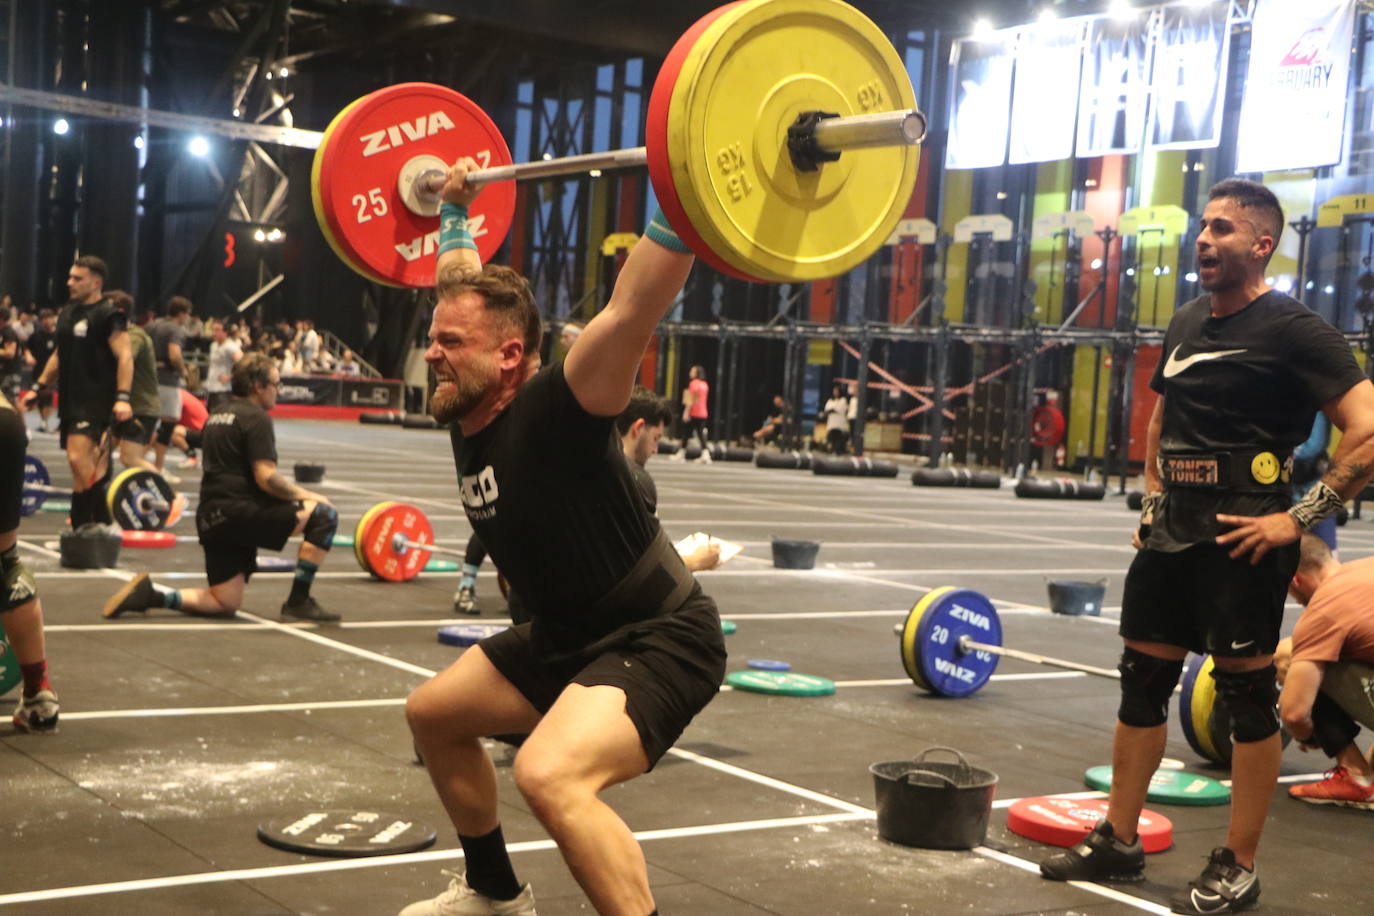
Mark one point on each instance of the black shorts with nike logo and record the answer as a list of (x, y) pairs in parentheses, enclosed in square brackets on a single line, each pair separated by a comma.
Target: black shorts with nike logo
[(1203, 600)]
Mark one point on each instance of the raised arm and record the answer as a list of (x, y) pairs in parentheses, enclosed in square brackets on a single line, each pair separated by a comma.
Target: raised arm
[(456, 247), (602, 368)]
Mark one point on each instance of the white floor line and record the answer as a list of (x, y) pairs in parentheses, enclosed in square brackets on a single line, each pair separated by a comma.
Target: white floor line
[(311, 636), (228, 710), (1111, 893)]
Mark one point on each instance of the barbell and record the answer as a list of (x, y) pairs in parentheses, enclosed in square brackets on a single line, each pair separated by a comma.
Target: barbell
[(951, 642), (781, 141), (138, 499)]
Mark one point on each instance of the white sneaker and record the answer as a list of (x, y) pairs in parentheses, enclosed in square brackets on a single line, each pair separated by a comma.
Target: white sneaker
[(190, 461), (171, 478), (461, 900)]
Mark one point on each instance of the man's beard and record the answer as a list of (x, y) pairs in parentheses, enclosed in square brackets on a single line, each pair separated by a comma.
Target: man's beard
[(468, 391)]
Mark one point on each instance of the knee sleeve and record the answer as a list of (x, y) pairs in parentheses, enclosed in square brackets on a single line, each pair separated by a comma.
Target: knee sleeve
[(321, 525), (1147, 683), (1251, 698), (19, 584), (164, 432)]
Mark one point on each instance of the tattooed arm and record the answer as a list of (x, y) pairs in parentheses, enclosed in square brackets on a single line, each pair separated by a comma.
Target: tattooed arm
[(1351, 467)]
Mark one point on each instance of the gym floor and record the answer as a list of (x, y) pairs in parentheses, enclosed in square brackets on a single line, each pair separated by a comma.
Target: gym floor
[(180, 736)]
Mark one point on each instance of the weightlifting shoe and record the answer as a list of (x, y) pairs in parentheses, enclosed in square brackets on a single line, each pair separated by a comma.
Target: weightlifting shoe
[(37, 713), (465, 600), (137, 594), (309, 609), (1223, 887), (1099, 857), (461, 900), (1338, 788)]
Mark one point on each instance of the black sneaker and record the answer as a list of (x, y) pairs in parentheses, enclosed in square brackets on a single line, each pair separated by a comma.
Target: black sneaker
[(1100, 857), (309, 609), (37, 713), (137, 594), (1223, 887)]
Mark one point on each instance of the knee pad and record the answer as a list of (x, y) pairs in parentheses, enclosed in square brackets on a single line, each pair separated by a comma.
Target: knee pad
[(1147, 683), (1250, 697), (19, 584), (321, 525)]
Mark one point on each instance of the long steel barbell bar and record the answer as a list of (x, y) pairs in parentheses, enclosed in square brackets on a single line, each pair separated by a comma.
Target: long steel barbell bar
[(835, 135)]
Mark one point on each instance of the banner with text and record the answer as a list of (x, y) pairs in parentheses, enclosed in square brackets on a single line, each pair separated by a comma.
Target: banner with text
[(1293, 112), (1114, 99), (1190, 76), (1043, 116), (982, 101)]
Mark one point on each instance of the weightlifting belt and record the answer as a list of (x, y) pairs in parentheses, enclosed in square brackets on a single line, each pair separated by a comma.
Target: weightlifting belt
[(657, 584), (1261, 471)]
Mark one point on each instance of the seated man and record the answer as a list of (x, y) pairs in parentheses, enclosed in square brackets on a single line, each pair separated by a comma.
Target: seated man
[(771, 430), (244, 504), (1327, 669)]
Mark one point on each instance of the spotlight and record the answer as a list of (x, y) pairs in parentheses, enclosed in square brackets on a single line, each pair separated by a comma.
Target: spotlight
[(1096, 264), (198, 146), (1121, 9), (275, 235), (138, 142), (1047, 16), (1284, 284), (1190, 277), (60, 127), (982, 30), (260, 236)]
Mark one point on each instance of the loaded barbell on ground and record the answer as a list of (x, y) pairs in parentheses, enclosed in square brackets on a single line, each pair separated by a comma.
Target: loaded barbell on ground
[(138, 499), (747, 121), (951, 642)]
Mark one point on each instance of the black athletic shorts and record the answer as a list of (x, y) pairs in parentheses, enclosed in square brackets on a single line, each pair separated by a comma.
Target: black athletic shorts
[(232, 530), (669, 667), (138, 430), (13, 444), (91, 429), (1201, 599)]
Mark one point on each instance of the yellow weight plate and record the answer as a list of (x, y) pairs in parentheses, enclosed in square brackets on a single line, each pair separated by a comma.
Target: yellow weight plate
[(1203, 705), (360, 528), (742, 85), (317, 200), (910, 657)]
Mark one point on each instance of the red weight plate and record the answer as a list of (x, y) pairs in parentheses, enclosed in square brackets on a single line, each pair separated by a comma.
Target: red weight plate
[(135, 538), (371, 142), (656, 140), (1047, 425), (323, 218), (1066, 821), (385, 558)]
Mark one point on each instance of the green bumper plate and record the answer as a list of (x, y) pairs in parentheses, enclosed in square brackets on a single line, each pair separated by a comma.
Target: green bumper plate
[(727, 627), (438, 566), (1168, 787), (343, 540), (782, 683)]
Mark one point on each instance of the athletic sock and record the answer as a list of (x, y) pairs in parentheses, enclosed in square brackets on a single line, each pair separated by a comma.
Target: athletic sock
[(35, 678), (98, 506), (79, 513), (167, 597), (489, 871), (300, 586), (468, 579)]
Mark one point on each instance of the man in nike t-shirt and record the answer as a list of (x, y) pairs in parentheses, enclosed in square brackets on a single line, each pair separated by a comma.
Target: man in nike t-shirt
[(1245, 370)]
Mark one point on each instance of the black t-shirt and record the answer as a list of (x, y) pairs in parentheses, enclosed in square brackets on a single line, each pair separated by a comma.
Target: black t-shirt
[(1250, 381), (237, 434), (548, 489), (86, 365), (646, 485), (11, 364), (41, 343)]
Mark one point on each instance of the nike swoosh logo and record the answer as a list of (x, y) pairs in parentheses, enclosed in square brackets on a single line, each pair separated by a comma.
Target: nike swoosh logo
[(1242, 645), (1175, 365)]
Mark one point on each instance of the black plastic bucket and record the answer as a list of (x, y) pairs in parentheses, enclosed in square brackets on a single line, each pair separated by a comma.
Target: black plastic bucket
[(1077, 599), (933, 804), (788, 554)]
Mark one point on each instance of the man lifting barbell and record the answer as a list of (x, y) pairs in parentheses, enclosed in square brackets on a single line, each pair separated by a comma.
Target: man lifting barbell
[(624, 648), (20, 608), (244, 504), (1246, 369)]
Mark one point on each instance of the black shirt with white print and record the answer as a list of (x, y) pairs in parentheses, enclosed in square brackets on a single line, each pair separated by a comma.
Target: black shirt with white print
[(547, 487), (1247, 382)]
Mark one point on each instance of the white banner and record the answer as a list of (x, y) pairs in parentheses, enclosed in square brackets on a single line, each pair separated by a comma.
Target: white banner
[(1043, 114), (1293, 112), (982, 101), (1115, 96), (1190, 76)]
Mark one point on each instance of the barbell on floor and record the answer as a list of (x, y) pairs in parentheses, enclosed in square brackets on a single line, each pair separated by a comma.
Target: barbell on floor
[(746, 124), (951, 642), (138, 499)]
